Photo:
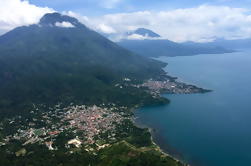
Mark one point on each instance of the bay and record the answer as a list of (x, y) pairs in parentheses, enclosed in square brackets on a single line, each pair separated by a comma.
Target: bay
[(212, 129)]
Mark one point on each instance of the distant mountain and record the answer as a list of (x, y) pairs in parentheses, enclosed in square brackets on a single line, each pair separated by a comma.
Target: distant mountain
[(151, 45), (228, 44), (144, 32), (60, 59), (157, 48)]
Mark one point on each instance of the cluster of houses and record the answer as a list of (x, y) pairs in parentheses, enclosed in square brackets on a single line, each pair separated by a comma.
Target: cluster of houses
[(168, 86), (91, 122)]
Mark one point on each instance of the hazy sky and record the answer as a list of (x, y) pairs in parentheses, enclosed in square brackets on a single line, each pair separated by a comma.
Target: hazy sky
[(101, 7), (177, 20)]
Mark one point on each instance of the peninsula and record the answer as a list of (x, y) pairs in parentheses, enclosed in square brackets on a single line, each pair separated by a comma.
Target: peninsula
[(68, 96)]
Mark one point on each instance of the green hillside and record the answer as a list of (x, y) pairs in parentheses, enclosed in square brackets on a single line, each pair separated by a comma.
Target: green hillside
[(44, 63)]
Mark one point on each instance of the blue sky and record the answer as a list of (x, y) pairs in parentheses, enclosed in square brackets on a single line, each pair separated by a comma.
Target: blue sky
[(101, 7)]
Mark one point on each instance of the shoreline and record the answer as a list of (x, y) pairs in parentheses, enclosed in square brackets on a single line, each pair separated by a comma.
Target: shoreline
[(166, 153), (162, 91), (157, 146)]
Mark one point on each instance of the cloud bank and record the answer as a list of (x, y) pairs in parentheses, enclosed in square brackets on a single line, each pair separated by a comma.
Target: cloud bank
[(14, 13), (200, 24)]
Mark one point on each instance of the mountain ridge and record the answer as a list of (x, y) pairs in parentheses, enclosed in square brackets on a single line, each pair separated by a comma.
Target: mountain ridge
[(51, 64), (162, 47)]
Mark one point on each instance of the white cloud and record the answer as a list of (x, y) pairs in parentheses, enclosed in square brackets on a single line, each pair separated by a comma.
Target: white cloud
[(64, 24), (136, 37), (15, 13), (139, 37), (105, 29), (81, 18), (200, 24)]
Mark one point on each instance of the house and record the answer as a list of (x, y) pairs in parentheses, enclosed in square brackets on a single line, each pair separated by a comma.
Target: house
[(75, 142)]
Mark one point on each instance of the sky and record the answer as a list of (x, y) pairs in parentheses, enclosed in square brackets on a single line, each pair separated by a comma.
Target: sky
[(176, 20)]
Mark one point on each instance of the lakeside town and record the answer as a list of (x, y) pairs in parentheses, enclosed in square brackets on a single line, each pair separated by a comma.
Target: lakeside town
[(90, 127), (171, 87), (167, 84)]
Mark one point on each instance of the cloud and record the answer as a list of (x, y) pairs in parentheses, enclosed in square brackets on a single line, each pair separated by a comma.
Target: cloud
[(201, 24), (64, 24), (139, 37), (15, 13), (105, 29)]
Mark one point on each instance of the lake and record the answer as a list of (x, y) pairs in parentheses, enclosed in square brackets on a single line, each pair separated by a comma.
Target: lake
[(212, 129)]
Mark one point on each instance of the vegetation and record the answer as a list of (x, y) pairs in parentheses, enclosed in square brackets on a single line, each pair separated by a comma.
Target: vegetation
[(119, 154), (45, 65), (132, 148), (51, 64), (124, 154)]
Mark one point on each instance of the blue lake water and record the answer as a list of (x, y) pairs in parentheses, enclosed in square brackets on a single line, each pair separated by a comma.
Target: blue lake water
[(212, 129)]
